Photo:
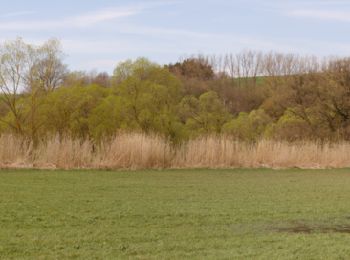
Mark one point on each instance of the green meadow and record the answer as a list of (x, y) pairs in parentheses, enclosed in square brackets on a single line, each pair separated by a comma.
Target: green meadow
[(175, 214)]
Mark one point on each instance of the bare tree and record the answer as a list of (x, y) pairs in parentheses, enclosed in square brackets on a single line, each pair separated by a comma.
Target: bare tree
[(244, 67), (48, 71)]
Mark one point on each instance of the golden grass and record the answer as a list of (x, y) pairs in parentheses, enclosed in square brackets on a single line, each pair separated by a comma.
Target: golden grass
[(140, 151)]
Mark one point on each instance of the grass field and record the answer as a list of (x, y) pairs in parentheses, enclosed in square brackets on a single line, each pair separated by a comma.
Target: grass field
[(246, 214)]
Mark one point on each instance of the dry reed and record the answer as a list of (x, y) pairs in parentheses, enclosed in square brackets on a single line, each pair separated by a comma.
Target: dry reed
[(140, 151)]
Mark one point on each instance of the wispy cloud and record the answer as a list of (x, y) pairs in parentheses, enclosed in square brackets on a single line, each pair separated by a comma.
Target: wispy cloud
[(163, 30), (78, 21), (16, 14), (329, 10), (340, 16), (302, 3), (101, 16)]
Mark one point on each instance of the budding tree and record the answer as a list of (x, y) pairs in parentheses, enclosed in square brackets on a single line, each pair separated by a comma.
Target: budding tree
[(28, 69), (14, 67)]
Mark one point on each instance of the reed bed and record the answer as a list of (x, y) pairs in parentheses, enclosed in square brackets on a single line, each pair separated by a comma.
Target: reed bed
[(141, 151)]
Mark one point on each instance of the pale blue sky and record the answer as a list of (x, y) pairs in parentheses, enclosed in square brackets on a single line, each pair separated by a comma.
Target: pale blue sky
[(97, 34)]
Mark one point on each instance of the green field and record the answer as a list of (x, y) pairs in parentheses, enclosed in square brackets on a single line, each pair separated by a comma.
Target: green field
[(246, 214)]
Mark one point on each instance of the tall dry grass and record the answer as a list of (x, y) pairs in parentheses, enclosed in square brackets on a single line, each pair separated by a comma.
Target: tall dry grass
[(140, 151)]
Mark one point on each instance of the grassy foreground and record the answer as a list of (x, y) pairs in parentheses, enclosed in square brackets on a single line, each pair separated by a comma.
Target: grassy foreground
[(175, 214)]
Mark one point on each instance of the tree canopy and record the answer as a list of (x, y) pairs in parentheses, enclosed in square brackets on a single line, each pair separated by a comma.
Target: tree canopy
[(248, 96)]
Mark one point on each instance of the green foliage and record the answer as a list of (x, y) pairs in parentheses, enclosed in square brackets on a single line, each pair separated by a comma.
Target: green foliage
[(107, 117), (290, 127), (67, 110), (149, 95), (205, 114), (11, 122), (249, 126), (139, 68), (248, 96)]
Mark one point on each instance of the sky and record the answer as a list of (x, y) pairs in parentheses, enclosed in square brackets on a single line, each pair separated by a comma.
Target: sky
[(98, 34)]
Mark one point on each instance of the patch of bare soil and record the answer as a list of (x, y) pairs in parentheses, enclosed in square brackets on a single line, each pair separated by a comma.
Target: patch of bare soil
[(308, 229)]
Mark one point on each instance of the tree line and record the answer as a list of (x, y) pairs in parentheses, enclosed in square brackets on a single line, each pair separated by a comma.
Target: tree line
[(250, 96)]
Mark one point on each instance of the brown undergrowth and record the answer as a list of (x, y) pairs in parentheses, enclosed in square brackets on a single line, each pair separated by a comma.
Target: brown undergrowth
[(141, 151)]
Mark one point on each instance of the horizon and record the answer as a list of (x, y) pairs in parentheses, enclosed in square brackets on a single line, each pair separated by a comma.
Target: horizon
[(97, 35)]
